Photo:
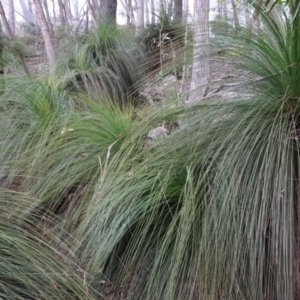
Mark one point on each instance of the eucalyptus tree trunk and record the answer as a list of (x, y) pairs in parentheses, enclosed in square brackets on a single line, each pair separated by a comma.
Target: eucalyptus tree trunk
[(178, 11), (11, 36), (127, 5), (54, 13), (48, 18), (147, 16), (45, 32), (68, 11), (247, 16), (11, 9), (87, 20), (106, 9), (62, 19), (152, 3), (201, 63), (5, 22), (255, 23), (94, 10), (185, 12), (2, 81), (76, 12), (224, 9), (235, 15), (140, 21), (109, 10)]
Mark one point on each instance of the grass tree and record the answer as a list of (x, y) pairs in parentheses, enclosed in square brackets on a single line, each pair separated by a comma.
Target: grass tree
[(91, 207), (35, 264), (219, 218), (106, 61)]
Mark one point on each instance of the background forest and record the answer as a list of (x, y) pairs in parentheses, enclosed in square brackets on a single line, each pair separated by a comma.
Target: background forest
[(154, 160)]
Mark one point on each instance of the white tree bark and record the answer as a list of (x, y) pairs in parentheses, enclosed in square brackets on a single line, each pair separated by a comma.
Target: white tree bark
[(201, 62), (147, 15), (76, 12), (45, 32), (140, 20), (11, 36), (11, 9), (255, 23), (62, 19), (178, 11), (87, 20), (5, 22), (68, 11), (54, 13), (235, 15), (109, 10), (152, 3), (48, 18), (127, 5), (247, 16), (185, 11)]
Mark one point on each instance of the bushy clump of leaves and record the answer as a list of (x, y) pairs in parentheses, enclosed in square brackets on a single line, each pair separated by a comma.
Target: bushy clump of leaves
[(90, 208), (106, 62), (30, 28), (166, 48)]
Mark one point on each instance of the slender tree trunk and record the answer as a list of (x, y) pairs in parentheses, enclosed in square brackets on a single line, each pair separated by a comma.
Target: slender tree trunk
[(5, 22), (185, 12), (11, 36), (45, 32), (54, 14), (12, 15), (127, 5), (235, 15), (224, 9), (201, 63), (140, 18), (92, 10), (152, 12), (76, 12), (147, 19), (48, 18), (2, 80), (62, 19), (255, 24), (170, 8), (109, 10), (247, 17), (87, 20), (178, 11), (68, 12)]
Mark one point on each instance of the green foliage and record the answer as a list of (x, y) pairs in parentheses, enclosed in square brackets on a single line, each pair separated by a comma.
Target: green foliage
[(91, 208), (30, 28), (164, 45), (106, 62), (33, 263)]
